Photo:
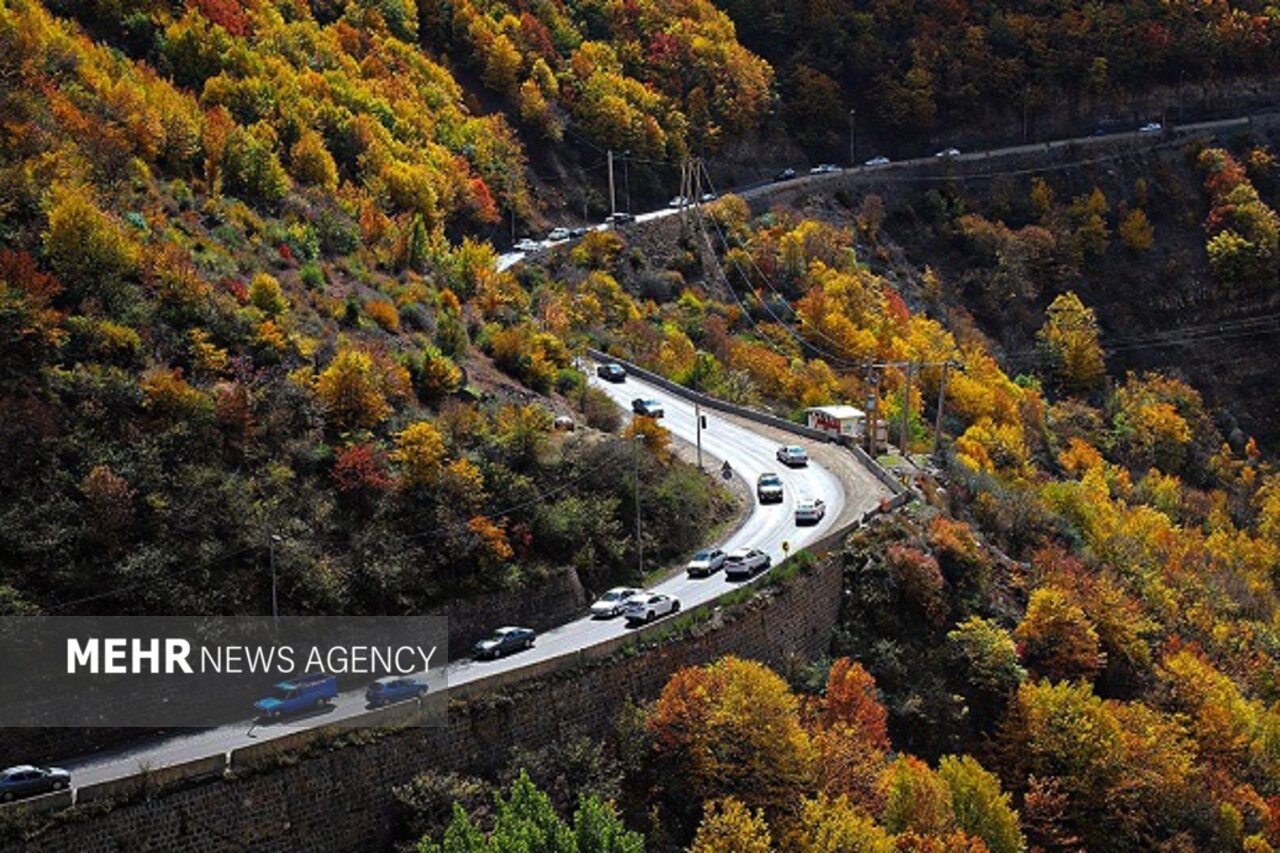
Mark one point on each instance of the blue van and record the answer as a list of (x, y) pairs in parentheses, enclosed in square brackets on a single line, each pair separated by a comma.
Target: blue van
[(298, 694)]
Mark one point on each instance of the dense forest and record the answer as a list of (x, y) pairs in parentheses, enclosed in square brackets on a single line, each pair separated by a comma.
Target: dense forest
[(231, 310), (247, 290), (1071, 644)]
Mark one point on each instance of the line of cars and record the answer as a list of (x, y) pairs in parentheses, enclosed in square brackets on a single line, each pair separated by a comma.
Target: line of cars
[(318, 691)]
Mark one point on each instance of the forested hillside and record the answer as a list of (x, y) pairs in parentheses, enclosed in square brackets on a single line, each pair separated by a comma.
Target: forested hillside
[(917, 68), (235, 306)]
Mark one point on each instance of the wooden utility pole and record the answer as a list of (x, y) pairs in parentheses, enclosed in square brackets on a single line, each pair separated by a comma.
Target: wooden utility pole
[(906, 410), (613, 202), (873, 403), (942, 399)]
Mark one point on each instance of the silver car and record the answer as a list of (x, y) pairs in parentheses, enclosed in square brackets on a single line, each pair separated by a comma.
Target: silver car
[(793, 456), (613, 602), (706, 563)]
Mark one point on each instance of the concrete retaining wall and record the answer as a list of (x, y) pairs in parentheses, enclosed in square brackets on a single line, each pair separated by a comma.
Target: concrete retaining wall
[(338, 799)]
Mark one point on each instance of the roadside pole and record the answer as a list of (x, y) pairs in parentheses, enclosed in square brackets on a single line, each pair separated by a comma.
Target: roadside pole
[(697, 416), (942, 399), (613, 202), (906, 410)]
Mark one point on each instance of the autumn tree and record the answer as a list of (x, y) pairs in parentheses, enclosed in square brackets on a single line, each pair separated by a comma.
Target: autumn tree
[(89, 250), (1057, 640), (731, 729), (420, 452), (981, 809), (728, 825), (355, 387), (1069, 345)]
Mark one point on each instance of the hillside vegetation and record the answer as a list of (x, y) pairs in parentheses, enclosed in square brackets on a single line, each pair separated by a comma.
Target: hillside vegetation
[(238, 314)]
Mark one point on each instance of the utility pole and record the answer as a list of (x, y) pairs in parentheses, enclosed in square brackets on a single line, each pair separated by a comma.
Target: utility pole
[(639, 541), (697, 414), (942, 398), (853, 137), (906, 410), (696, 196), (626, 177), (613, 203), (873, 402), (275, 603)]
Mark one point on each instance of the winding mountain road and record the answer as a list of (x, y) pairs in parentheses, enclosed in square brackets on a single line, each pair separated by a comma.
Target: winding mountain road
[(846, 487)]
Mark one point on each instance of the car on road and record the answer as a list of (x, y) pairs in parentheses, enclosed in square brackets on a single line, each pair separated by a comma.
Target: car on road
[(394, 688), (678, 201), (769, 488), (647, 606), (648, 407), (948, 152), (877, 161), (619, 218), (824, 169), (709, 197), (564, 423), (810, 510), (613, 602), (793, 456), (706, 563), (745, 562), (525, 244), (580, 231), (297, 695), (558, 234), (785, 175), (504, 641), (1151, 127), (25, 780), (612, 372)]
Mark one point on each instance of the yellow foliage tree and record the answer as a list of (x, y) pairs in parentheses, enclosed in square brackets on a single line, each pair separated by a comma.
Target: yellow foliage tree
[(730, 827), (420, 452)]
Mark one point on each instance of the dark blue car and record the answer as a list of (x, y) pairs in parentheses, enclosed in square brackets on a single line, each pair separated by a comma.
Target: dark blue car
[(297, 695), (394, 688), (28, 781)]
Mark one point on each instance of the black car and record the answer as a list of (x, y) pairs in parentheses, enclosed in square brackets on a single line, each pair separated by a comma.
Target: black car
[(578, 232), (504, 641), (785, 175), (612, 372), (619, 218), (27, 781), (648, 407)]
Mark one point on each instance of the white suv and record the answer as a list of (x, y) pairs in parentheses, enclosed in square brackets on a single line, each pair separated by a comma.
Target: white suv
[(647, 606)]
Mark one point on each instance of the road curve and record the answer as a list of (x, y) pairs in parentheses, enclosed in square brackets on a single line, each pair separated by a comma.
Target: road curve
[(749, 451)]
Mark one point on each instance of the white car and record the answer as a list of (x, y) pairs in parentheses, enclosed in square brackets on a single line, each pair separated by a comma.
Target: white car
[(1151, 127), (948, 152), (810, 510), (678, 201), (558, 234), (709, 197), (706, 563), (527, 245), (745, 562), (793, 456), (824, 169), (647, 606), (877, 161), (613, 602)]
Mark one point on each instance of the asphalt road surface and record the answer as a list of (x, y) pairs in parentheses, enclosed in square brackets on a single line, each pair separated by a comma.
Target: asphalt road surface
[(749, 451)]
